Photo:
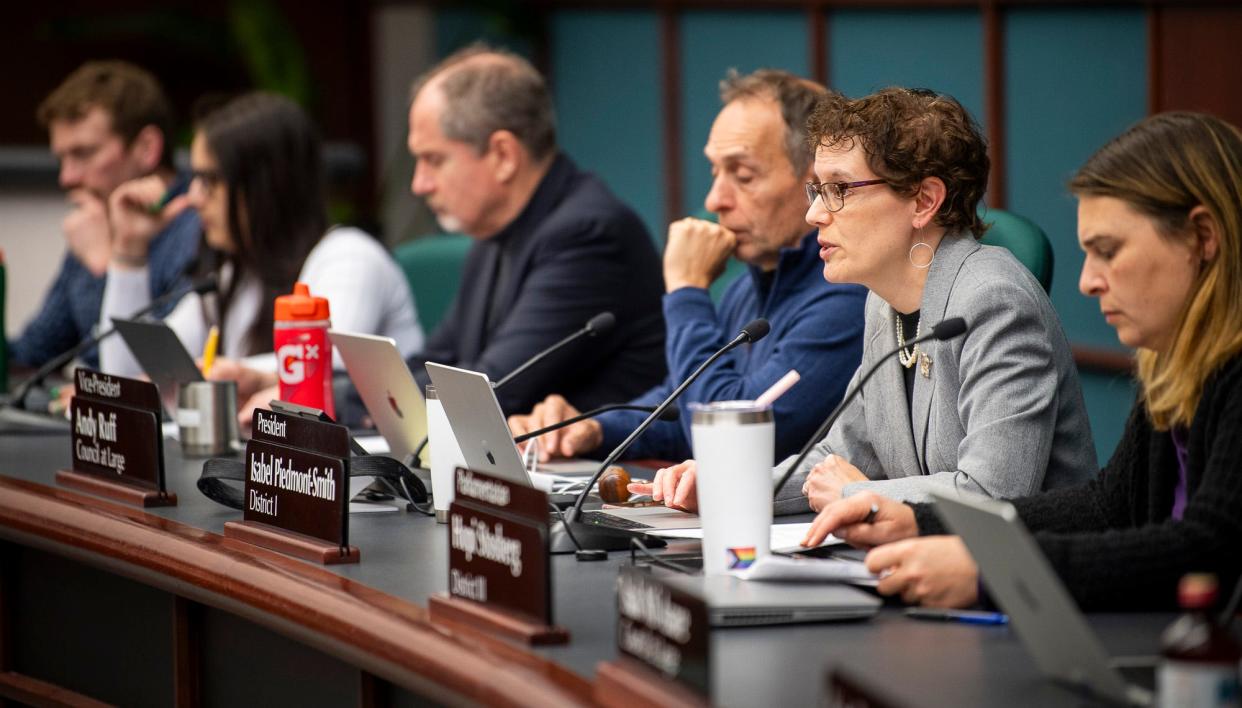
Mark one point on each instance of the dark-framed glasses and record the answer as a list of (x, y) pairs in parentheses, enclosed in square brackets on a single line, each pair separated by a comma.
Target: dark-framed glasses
[(208, 179), (833, 193)]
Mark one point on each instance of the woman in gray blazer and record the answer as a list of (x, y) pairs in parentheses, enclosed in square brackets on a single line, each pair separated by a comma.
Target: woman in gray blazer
[(997, 411)]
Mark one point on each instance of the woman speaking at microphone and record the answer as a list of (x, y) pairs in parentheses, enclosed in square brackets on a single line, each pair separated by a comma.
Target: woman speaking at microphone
[(1160, 220), (258, 187), (997, 411)]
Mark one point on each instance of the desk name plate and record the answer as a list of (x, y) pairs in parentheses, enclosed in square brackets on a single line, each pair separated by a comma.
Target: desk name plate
[(117, 444), (664, 639), (296, 488), (500, 577)]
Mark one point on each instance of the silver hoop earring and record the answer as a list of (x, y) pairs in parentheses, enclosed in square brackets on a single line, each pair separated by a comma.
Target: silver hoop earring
[(931, 258)]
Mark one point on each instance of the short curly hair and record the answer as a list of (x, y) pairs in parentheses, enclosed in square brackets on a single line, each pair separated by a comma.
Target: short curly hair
[(909, 135)]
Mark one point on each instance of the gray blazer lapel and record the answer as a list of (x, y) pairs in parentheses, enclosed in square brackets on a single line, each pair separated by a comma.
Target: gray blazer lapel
[(950, 256), (890, 390)]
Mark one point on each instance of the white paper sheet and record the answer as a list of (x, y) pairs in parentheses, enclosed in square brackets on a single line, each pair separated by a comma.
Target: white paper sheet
[(801, 569), (784, 538)]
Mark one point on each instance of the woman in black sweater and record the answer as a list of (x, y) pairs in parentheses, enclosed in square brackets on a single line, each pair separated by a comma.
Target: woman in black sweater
[(1160, 221)]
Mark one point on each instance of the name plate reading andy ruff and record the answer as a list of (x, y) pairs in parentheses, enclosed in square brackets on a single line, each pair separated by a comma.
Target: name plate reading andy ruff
[(665, 628), (297, 476), (115, 432), (498, 545)]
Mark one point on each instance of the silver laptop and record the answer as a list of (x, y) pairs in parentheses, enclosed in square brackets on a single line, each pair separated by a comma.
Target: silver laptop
[(1040, 609), (479, 425), (162, 356), (387, 388), (733, 602)]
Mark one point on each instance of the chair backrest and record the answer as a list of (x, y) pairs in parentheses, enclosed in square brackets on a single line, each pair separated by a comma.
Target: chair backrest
[(433, 266), (1024, 239)]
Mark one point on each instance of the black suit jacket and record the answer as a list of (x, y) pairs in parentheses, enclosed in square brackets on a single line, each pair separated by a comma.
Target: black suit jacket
[(573, 252)]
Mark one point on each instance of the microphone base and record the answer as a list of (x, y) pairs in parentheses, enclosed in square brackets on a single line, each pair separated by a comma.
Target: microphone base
[(592, 538)]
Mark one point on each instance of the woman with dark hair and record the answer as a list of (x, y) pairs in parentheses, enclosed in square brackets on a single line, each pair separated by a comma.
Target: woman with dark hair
[(1160, 221), (997, 411), (257, 184)]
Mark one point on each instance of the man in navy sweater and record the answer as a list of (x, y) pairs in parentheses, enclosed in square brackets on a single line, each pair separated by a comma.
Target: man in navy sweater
[(760, 162)]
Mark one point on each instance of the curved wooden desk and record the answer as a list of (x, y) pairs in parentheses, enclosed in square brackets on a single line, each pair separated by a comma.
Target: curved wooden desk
[(382, 635), (104, 601)]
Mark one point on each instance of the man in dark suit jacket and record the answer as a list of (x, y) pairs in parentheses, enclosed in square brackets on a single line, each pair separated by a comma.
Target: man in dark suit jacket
[(553, 246)]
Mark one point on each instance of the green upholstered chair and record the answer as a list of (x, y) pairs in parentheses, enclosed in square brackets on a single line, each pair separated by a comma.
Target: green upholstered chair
[(1024, 239), (433, 266)]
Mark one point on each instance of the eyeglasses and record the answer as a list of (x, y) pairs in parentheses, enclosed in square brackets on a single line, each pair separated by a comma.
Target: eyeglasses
[(208, 178), (833, 193)]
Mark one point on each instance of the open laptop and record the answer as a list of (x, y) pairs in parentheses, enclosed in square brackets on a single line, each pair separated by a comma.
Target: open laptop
[(388, 391), (1040, 609), (479, 425), (162, 356), (733, 602)]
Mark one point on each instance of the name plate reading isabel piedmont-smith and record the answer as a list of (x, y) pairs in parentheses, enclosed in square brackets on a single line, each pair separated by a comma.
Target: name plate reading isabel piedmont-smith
[(118, 446), (663, 635), (500, 578), (296, 488)]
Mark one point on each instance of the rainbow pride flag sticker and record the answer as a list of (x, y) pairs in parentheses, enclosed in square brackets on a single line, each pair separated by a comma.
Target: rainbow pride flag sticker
[(741, 558)]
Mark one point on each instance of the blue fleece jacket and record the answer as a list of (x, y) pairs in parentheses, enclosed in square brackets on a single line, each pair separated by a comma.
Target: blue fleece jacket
[(816, 328)]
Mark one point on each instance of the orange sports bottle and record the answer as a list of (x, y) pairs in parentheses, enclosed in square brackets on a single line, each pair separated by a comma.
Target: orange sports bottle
[(303, 354)]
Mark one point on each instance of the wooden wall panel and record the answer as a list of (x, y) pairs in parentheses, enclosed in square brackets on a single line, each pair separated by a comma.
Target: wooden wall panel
[(1198, 61)]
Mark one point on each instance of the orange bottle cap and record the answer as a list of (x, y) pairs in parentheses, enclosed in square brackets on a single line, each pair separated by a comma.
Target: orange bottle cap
[(301, 305)]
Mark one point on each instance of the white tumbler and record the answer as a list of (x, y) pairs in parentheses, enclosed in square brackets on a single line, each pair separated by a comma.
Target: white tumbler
[(733, 445), (445, 455)]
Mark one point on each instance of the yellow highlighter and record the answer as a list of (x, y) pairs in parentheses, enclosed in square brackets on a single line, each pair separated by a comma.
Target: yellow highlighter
[(209, 350)]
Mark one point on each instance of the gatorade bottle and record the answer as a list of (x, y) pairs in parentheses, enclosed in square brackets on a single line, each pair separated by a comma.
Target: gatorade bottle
[(1199, 660), (303, 354)]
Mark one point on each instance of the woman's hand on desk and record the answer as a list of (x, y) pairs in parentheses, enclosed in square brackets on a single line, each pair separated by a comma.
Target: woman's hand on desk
[(570, 441), (825, 482), (675, 486), (864, 520), (936, 571)]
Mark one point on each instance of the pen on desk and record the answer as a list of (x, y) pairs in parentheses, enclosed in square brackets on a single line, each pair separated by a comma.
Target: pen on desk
[(209, 349), (963, 616), (156, 207)]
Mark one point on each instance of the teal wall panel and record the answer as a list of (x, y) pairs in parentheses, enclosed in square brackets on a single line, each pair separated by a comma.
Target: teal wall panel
[(712, 43), (459, 26), (936, 49), (1074, 79), (605, 69)]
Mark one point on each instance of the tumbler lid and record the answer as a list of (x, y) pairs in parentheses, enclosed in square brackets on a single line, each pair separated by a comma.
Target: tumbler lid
[(729, 413)]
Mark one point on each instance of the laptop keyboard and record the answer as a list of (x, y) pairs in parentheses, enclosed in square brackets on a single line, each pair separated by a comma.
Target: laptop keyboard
[(600, 518)]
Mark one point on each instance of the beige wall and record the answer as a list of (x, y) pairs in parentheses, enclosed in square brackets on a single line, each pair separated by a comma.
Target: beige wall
[(33, 246)]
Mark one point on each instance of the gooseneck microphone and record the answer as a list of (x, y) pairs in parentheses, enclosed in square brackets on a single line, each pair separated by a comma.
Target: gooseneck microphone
[(753, 331), (206, 284), (671, 414), (597, 325), (945, 329)]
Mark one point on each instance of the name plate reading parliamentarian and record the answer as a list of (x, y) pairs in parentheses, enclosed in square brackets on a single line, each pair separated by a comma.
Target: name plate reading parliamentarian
[(498, 545), (115, 429), (297, 476), (665, 628)]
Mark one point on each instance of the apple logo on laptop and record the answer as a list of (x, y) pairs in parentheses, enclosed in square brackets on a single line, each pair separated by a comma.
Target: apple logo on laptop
[(490, 459), (392, 403)]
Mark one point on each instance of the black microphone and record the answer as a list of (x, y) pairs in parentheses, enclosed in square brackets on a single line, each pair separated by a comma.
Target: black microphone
[(597, 325), (671, 414), (201, 286), (753, 331), (945, 329)]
